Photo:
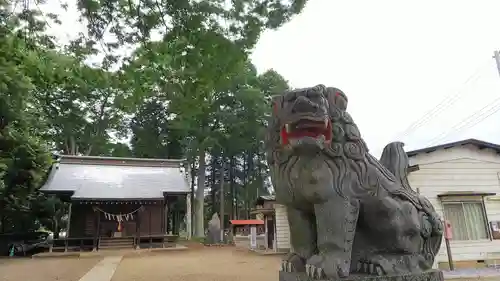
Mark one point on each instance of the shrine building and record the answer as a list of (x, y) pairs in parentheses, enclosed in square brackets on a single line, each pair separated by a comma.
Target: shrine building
[(121, 202)]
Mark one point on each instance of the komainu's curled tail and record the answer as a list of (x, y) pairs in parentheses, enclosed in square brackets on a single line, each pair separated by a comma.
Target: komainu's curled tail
[(395, 159)]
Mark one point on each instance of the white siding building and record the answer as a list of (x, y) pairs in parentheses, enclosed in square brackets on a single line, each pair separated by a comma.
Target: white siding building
[(277, 232), (461, 180), (282, 229)]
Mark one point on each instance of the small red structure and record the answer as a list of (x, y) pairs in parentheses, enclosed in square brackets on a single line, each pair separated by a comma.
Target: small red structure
[(243, 227), (249, 226), (246, 222)]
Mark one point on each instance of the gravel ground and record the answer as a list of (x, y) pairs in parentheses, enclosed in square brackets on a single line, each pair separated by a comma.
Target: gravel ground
[(208, 264), (221, 264), (195, 264), (47, 269)]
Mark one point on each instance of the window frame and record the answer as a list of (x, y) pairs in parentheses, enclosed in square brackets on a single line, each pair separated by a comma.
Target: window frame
[(473, 200)]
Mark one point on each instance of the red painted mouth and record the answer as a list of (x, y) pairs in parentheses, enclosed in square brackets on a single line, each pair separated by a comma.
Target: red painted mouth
[(306, 128)]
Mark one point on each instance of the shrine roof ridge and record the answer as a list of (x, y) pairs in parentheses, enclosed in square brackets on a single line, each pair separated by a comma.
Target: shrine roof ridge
[(106, 160)]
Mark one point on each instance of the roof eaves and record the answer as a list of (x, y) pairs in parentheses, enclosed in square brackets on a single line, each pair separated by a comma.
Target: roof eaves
[(465, 193), (264, 198), (52, 172), (478, 143)]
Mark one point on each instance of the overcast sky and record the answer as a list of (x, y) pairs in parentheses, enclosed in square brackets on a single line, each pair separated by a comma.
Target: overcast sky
[(395, 60)]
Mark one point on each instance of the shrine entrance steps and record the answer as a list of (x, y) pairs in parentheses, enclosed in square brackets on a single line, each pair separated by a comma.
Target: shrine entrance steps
[(116, 243)]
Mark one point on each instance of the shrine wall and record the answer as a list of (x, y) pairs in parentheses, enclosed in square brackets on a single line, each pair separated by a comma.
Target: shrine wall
[(83, 219)]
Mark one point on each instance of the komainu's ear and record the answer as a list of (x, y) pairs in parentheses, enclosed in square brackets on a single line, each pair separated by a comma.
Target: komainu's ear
[(336, 98)]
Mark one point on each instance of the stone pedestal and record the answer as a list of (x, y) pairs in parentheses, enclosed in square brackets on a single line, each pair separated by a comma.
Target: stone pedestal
[(431, 275)]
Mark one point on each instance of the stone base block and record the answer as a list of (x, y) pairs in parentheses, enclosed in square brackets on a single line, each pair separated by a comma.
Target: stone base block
[(431, 275)]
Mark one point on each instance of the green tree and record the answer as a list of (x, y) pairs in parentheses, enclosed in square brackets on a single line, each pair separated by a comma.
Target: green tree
[(196, 67), (133, 22), (119, 150), (81, 107), (24, 159), (152, 135), (245, 130), (207, 42)]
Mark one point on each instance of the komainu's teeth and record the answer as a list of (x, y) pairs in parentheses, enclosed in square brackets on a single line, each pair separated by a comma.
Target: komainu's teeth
[(326, 122), (287, 128)]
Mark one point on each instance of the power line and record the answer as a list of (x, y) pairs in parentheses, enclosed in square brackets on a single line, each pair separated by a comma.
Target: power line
[(470, 121), (476, 117), (445, 103), (439, 108)]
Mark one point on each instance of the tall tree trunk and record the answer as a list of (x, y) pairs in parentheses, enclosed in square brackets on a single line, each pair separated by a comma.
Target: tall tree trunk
[(245, 185), (200, 195), (232, 188), (222, 201), (73, 146), (193, 207), (252, 178), (213, 181)]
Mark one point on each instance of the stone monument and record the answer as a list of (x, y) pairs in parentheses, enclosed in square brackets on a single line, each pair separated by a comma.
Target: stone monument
[(214, 231), (351, 216)]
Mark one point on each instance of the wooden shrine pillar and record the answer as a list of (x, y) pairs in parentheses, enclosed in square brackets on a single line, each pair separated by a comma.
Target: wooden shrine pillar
[(97, 224), (163, 205), (188, 215), (150, 224), (174, 221), (168, 211), (149, 213), (165, 217), (68, 227), (138, 229)]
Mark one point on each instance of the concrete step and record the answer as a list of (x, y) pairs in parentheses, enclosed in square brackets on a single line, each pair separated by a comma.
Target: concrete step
[(116, 243), (115, 246)]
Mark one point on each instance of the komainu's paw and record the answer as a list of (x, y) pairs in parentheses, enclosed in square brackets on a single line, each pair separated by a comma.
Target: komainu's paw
[(293, 263), (393, 264), (327, 266), (370, 267)]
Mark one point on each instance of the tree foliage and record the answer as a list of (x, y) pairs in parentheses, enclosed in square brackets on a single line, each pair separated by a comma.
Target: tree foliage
[(152, 132), (24, 158), (186, 90), (242, 21)]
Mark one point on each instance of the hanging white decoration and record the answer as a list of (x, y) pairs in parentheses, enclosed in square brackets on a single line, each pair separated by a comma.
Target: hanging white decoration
[(119, 217)]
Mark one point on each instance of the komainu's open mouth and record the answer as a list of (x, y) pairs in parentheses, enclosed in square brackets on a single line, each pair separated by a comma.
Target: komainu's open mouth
[(307, 127)]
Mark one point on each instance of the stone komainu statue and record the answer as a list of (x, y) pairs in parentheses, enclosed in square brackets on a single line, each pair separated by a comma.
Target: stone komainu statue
[(347, 211)]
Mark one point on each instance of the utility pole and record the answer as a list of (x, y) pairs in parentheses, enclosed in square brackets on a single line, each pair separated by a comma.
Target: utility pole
[(496, 56)]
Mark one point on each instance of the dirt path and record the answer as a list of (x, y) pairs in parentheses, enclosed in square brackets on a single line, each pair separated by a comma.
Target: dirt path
[(61, 269), (201, 264), (210, 264)]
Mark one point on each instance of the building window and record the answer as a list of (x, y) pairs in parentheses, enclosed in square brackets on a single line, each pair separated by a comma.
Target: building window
[(467, 220)]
